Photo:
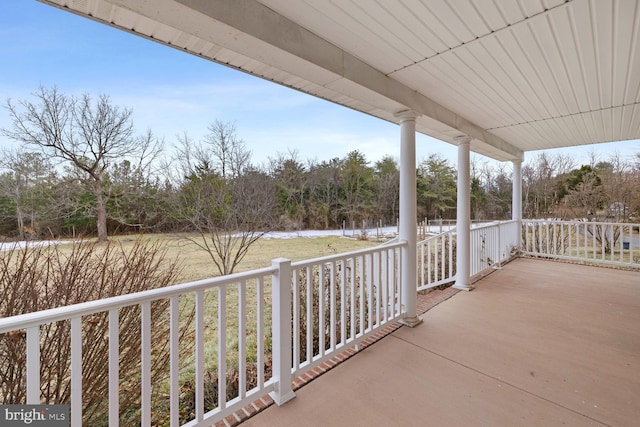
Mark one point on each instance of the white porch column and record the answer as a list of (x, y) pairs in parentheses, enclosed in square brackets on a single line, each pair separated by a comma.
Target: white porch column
[(516, 198), (408, 219), (463, 220), (516, 202)]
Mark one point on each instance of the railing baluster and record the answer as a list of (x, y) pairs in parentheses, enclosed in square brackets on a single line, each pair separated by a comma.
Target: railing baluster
[(370, 307), (398, 257), (361, 272), (546, 227), (343, 301), (76, 371), (352, 299), (114, 366), (577, 241), (378, 275), (145, 365), (296, 319), (174, 360), (332, 305), (604, 237), (428, 262), (321, 310), (538, 227), (450, 263), (260, 331), (433, 249), (199, 354), (384, 262), (391, 292), (242, 339), (222, 347), (391, 272), (443, 252), (33, 365), (309, 314), (421, 264)]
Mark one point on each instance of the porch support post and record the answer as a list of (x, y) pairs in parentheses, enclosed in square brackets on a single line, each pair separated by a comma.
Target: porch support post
[(408, 220), (463, 220), (516, 202), (281, 331)]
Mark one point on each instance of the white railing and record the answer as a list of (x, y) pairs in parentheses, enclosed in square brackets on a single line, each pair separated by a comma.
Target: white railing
[(491, 244), (585, 241), (339, 300), (436, 260), (212, 311)]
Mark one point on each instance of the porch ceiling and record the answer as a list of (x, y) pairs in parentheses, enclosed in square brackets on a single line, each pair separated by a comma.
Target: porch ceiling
[(515, 75)]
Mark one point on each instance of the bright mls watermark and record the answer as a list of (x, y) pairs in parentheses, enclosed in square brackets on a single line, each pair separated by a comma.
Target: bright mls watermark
[(34, 415)]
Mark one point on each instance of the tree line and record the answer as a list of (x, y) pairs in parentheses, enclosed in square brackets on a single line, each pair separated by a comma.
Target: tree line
[(82, 170)]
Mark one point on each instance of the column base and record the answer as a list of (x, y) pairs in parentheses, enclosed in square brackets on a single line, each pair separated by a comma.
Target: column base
[(281, 400), (462, 287), (411, 322)]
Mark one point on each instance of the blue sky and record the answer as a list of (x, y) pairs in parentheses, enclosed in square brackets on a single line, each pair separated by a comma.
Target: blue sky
[(171, 92)]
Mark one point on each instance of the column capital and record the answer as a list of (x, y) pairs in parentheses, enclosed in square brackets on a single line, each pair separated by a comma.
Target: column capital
[(406, 115), (462, 139)]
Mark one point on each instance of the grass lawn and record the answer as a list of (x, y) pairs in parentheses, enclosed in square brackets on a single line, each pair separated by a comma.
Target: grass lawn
[(197, 263)]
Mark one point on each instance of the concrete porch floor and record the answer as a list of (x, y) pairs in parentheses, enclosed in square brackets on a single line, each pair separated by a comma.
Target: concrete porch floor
[(538, 343)]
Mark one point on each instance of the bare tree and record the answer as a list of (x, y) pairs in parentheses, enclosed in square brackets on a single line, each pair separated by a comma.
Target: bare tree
[(227, 203), (542, 192), (227, 216), (132, 185), (88, 135), (619, 186), (228, 153)]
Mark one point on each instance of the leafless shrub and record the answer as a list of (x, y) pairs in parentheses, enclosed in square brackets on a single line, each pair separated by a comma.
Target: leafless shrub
[(39, 278)]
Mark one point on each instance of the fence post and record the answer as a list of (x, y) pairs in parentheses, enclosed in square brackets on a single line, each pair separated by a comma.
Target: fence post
[(281, 329)]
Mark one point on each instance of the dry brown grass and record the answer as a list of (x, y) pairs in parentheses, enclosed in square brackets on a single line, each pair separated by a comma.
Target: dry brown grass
[(197, 263)]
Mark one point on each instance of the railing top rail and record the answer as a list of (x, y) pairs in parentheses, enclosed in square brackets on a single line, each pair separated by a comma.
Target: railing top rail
[(495, 223), (27, 320), (479, 227), (331, 258), (578, 221), (436, 236)]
